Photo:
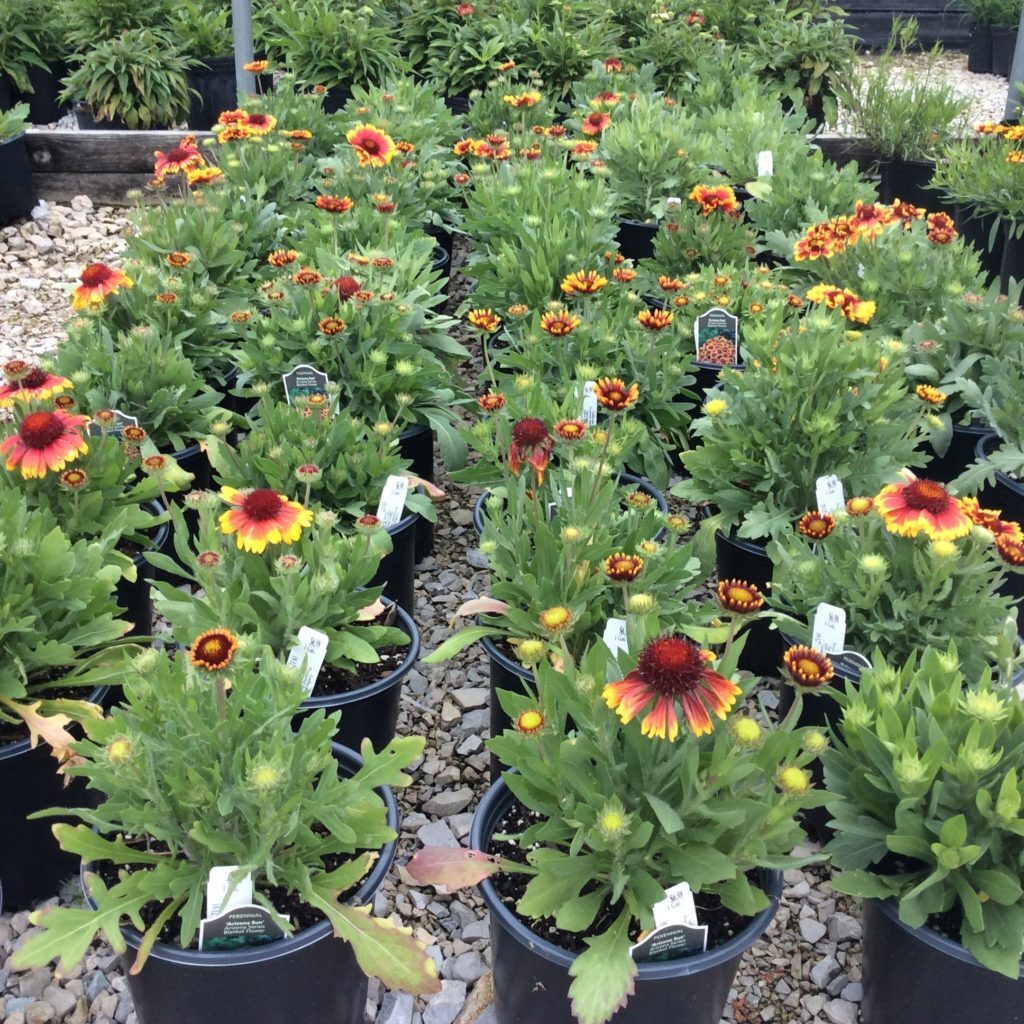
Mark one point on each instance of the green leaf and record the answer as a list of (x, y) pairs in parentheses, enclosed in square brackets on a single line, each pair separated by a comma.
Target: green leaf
[(603, 975), (741, 897), (954, 832), (667, 816), (459, 642), (863, 884), (83, 842), (1000, 886)]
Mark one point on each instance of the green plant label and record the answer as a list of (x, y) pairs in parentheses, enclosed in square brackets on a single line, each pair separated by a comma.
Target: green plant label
[(235, 929), (304, 381), (716, 334), (121, 420)]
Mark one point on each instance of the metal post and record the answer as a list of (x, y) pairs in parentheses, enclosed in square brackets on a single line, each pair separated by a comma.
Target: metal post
[(241, 24), (1013, 100)]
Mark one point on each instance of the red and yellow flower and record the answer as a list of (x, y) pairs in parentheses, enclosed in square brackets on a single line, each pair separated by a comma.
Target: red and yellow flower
[(532, 444), (259, 124), (654, 319), (613, 394), (375, 148), (282, 257), (45, 441), (26, 383), (559, 323), (492, 401), (671, 669), (929, 394), (331, 325), (941, 230), (860, 506), (484, 319), (808, 667), (623, 568), (739, 597), (571, 430), (181, 159), (523, 99), (262, 516), (922, 506), (583, 282), (97, 282), (816, 525), (715, 197), (334, 204), (213, 650), (595, 122), (204, 176), (1011, 550)]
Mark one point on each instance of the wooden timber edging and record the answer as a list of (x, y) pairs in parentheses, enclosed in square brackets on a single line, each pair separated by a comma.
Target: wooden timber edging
[(106, 165)]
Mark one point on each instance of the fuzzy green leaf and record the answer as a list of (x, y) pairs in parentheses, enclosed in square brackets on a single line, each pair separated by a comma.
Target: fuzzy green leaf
[(603, 975)]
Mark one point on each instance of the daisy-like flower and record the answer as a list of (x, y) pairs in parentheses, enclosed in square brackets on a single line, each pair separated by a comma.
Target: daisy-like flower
[(179, 259), (155, 464), (922, 506), (625, 275), (669, 284), (45, 441), (868, 220), (204, 176), (612, 65), (640, 500), (860, 506), (654, 319), (571, 430), (492, 401), (808, 667), (816, 525), (559, 323), (134, 434), (518, 309), (181, 159), (941, 230), (613, 394), (484, 319), (584, 147), (715, 197), (331, 325), (213, 650), (991, 519), (464, 10), (1011, 550), (623, 568), (739, 597), (208, 559), (30, 382), (73, 479), (234, 133), (530, 721), (98, 281), (256, 67), (167, 298), (930, 395), (262, 516), (595, 122), (374, 147), (306, 276), (259, 124), (523, 99), (231, 117), (556, 620), (583, 282), (671, 669), (282, 257), (531, 443), (334, 204), (347, 287)]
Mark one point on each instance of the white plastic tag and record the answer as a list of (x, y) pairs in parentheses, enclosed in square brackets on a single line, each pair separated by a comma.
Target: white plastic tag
[(765, 164), (589, 413), (615, 636), (392, 501), (828, 491), (673, 203), (677, 907), (217, 899), (829, 632), (312, 647)]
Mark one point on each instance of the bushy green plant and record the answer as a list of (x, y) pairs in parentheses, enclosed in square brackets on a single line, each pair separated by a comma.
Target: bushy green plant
[(95, 21), (13, 122), (19, 45), (925, 792), (994, 13), (202, 28), (981, 172), (998, 395)]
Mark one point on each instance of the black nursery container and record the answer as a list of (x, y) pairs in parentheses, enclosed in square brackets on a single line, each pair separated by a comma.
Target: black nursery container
[(505, 674), (397, 571), (214, 82), (134, 596), (44, 103), (17, 196), (1007, 495), (88, 123), (906, 180), (979, 50), (958, 456), (1012, 266), (977, 229), (531, 976), (635, 238), (417, 445), (1004, 41), (738, 559)]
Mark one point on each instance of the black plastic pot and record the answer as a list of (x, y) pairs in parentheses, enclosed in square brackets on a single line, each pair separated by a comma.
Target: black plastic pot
[(977, 230), (979, 50), (1013, 259), (441, 262), (738, 559), (87, 123), (917, 976), (417, 445), (44, 103), (371, 711), (1004, 41), (505, 674), (214, 82), (444, 238), (134, 597), (17, 196), (312, 972), (959, 455), (707, 375), (397, 571), (626, 479), (635, 238), (1007, 495), (457, 104), (906, 180), (531, 976), (32, 865), (7, 93), (336, 97)]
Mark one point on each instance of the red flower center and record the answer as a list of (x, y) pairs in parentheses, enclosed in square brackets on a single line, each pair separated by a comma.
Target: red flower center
[(926, 496), (262, 504), (40, 429), (370, 144), (180, 154), (671, 665), (347, 286), (95, 274), (35, 378), (529, 433)]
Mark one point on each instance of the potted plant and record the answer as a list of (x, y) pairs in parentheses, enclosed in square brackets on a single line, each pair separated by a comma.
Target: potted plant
[(202, 784), (1005, 20), (59, 632), (923, 776), (582, 850), (315, 594), (19, 50), (983, 15), (203, 30), (34, 45), (19, 195), (137, 79)]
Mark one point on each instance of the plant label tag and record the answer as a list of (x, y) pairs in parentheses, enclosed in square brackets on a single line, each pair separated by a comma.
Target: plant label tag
[(615, 640), (673, 203), (589, 413), (716, 334), (248, 925), (670, 943), (218, 898), (304, 381), (829, 632), (391, 506), (311, 650), (553, 505), (765, 164), (121, 420), (828, 491), (677, 907), (1020, 690)]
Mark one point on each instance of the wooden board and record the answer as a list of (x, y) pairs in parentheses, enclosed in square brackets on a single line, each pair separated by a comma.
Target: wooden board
[(102, 189), (99, 152)]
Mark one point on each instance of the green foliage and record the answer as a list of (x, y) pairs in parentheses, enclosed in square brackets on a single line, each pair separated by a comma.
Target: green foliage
[(19, 44), (202, 28), (96, 21), (975, 171), (925, 783), (13, 122)]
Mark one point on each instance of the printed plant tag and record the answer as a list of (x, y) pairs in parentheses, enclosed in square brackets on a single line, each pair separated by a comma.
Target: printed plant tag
[(304, 381), (121, 420), (677, 907), (673, 203), (311, 648), (670, 943), (615, 636), (217, 885), (829, 632), (248, 925), (828, 491), (765, 164), (589, 413), (716, 334), (391, 506)]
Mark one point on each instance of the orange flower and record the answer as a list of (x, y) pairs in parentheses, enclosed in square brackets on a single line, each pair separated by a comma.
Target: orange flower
[(262, 516), (816, 525), (492, 401), (25, 383), (585, 147), (654, 319), (922, 506), (595, 122), (941, 230), (231, 117), (179, 259), (715, 197), (306, 276), (929, 395), (583, 282), (234, 133), (531, 443), (484, 319), (282, 257), (204, 176), (98, 281), (523, 99), (623, 568), (167, 298), (256, 67), (1011, 550), (334, 204), (624, 274), (180, 160), (739, 597), (807, 667), (259, 124), (672, 669), (859, 506), (613, 394), (213, 650), (868, 220), (669, 284), (331, 325), (559, 323), (571, 430), (991, 519), (45, 441), (374, 147)]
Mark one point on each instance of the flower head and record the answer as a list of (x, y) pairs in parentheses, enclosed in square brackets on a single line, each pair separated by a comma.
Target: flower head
[(334, 204), (595, 122), (1011, 550), (256, 67), (347, 287), (262, 516), (739, 597), (671, 669), (484, 319), (654, 319), (491, 401), (213, 650), (559, 323), (715, 197), (922, 506), (556, 620), (259, 124), (522, 99), (583, 282), (73, 479), (571, 430), (97, 282), (930, 395), (807, 667), (531, 443), (331, 325), (817, 525), (45, 441), (29, 383), (623, 568), (374, 147), (530, 722), (282, 257), (181, 159), (746, 732), (859, 506), (793, 781), (613, 394)]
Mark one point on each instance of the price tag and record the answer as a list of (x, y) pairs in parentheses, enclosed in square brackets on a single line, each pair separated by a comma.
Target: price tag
[(677, 907), (615, 639), (828, 491), (829, 632), (116, 429), (765, 164), (218, 901), (392, 501), (673, 203), (589, 413), (311, 649)]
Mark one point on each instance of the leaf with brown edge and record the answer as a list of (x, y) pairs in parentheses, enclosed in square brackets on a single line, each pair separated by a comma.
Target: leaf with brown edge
[(371, 611), (48, 728), (433, 491), (454, 869), (481, 606)]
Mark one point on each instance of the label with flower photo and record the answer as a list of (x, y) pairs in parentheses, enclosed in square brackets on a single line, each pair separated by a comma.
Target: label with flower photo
[(828, 492), (311, 649), (828, 634), (391, 506), (716, 334), (303, 381), (115, 426)]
